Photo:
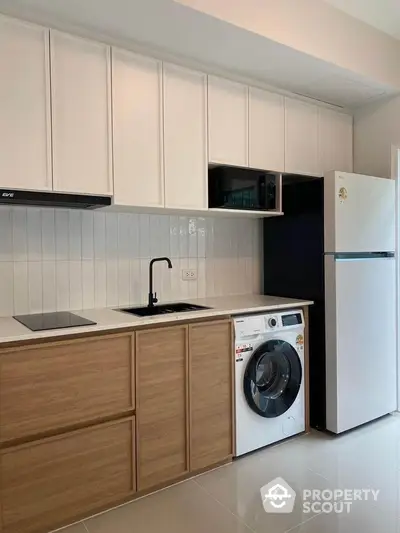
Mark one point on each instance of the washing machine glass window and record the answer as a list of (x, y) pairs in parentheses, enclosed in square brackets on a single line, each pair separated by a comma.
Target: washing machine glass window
[(272, 378)]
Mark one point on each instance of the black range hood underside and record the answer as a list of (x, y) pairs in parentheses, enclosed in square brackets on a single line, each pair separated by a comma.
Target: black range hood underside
[(52, 199)]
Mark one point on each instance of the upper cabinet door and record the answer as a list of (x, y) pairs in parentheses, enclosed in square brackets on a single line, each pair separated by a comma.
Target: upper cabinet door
[(25, 129), (301, 138), (185, 138), (227, 122), (81, 114), (266, 130), (137, 130), (335, 141)]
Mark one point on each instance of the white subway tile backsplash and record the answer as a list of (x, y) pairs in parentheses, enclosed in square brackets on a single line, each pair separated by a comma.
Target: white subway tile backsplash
[(19, 234), (49, 286), (112, 235), (62, 234), (6, 235), (88, 301), (58, 259), (174, 236), (75, 235), (21, 289), (48, 235), (62, 286), (144, 236), (35, 289), (6, 288), (87, 236), (112, 283), (100, 284), (75, 285), (34, 224), (100, 236)]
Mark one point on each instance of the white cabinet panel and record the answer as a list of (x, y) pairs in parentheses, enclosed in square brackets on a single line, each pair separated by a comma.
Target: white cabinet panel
[(137, 130), (227, 122), (25, 158), (185, 138), (335, 141), (301, 138), (266, 130), (81, 114)]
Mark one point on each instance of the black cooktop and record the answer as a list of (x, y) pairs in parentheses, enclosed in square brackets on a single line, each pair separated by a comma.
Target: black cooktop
[(43, 321)]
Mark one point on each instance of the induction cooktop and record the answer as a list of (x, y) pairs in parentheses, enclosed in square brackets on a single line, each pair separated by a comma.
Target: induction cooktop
[(43, 321)]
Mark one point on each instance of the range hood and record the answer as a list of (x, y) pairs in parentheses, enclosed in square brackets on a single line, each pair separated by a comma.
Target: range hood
[(52, 199)]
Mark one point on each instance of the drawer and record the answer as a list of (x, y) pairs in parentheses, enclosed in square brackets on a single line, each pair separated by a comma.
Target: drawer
[(51, 386), (57, 480)]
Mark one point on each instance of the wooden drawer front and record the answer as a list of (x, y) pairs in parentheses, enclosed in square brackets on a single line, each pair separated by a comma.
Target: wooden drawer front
[(52, 386), (161, 409), (211, 368), (56, 480)]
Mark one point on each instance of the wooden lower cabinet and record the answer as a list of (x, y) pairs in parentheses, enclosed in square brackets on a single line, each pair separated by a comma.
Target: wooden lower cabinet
[(54, 481), (47, 387), (211, 359), (161, 405)]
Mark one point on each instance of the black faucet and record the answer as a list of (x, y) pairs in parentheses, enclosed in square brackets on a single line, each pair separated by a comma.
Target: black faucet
[(153, 297)]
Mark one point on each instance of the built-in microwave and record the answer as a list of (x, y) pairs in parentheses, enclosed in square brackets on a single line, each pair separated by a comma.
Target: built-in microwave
[(242, 188)]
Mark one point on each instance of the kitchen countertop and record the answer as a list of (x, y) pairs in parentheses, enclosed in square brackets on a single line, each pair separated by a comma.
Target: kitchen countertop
[(108, 319)]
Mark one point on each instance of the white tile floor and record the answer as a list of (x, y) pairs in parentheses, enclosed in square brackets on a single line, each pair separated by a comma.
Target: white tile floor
[(227, 500)]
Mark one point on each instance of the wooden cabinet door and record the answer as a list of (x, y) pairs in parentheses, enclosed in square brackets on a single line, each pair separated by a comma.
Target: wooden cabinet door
[(25, 128), (162, 443), (81, 115), (54, 481), (48, 387), (185, 138), (137, 130), (266, 130), (227, 122), (335, 141), (211, 358), (301, 138)]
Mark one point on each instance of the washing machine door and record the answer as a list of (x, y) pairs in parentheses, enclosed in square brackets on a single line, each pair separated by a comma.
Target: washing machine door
[(272, 378)]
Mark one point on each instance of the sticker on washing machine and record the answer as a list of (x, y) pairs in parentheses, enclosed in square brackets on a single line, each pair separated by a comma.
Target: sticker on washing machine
[(342, 194), (300, 340)]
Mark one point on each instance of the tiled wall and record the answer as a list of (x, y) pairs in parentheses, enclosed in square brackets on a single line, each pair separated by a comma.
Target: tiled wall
[(67, 259)]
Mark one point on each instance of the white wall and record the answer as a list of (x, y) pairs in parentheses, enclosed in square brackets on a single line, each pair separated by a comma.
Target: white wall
[(68, 259), (376, 129), (315, 28)]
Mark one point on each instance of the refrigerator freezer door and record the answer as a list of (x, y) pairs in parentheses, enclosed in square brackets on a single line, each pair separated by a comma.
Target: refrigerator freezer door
[(359, 213), (360, 341)]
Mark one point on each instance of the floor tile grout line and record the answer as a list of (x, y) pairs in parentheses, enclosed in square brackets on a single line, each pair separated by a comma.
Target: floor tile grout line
[(85, 526), (224, 506)]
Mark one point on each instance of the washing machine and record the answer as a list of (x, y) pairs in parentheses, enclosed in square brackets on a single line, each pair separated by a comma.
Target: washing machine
[(269, 372)]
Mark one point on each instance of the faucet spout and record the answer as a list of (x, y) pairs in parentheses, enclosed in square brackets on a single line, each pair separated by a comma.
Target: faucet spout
[(153, 297)]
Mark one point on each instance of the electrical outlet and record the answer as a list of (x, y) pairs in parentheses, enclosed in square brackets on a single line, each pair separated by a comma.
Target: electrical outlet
[(189, 275)]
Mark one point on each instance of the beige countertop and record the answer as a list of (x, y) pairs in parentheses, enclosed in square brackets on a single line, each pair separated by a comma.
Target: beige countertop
[(108, 319)]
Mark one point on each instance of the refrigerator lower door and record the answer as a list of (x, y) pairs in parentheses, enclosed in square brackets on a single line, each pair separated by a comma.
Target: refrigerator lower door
[(361, 359)]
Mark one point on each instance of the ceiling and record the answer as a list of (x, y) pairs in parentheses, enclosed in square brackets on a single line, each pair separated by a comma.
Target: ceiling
[(382, 14), (174, 32)]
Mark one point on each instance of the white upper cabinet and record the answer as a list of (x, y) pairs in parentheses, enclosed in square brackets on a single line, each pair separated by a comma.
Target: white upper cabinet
[(335, 141), (266, 130), (185, 138), (301, 138), (81, 115), (25, 129), (227, 122), (137, 130)]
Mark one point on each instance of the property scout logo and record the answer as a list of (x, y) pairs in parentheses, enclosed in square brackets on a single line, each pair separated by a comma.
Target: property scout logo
[(279, 497)]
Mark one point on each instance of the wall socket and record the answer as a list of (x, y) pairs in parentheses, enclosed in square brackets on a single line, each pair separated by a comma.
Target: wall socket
[(189, 275)]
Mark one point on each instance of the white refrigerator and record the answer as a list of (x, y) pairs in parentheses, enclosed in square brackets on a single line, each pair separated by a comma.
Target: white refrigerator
[(360, 299)]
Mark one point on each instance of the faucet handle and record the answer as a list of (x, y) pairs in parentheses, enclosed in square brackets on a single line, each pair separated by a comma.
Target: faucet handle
[(155, 299)]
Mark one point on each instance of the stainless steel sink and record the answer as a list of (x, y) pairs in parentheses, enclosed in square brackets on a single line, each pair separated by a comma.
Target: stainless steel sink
[(165, 309)]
